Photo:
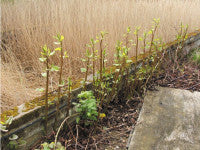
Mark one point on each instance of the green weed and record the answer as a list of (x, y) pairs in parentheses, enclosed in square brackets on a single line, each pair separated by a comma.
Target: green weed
[(87, 108)]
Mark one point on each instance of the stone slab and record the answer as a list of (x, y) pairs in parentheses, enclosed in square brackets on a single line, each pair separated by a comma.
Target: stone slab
[(169, 120)]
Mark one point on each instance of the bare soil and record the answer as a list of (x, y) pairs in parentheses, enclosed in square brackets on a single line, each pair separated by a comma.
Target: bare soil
[(112, 132), (186, 76)]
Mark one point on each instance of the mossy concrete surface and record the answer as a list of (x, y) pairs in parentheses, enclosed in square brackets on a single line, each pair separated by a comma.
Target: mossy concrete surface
[(169, 120)]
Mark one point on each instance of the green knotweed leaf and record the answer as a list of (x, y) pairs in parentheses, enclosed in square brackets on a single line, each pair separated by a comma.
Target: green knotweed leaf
[(140, 39), (13, 137), (44, 48), (3, 128), (117, 70), (57, 43), (58, 49), (77, 119), (52, 145), (65, 55), (83, 69), (84, 60), (44, 74), (54, 68), (61, 38), (40, 89), (9, 121), (42, 59), (52, 53), (129, 61)]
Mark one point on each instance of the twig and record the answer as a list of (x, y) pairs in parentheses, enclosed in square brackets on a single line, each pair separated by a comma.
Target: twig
[(71, 131), (88, 140), (95, 142), (178, 78), (192, 86), (116, 127), (87, 143), (76, 137)]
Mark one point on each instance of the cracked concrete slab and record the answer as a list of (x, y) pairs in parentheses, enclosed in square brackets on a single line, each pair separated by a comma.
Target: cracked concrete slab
[(169, 120)]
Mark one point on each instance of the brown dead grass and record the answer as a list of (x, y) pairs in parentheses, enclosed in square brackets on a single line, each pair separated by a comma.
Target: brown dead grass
[(28, 25)]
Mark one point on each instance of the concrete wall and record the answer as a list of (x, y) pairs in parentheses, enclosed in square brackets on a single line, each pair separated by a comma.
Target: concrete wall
[(28, 122)]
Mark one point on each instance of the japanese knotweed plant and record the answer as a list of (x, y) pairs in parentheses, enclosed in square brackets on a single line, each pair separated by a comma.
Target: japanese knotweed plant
[(152, 61), (144, 44), (101, 82), (102, 54), (63, 54), (94, 56), (69, 86), (87, 108), (16, 143), (196, 57), (180, 38), (137, 43), (153, 32), (91, 58), (45, 58), (122, 62), (85, 70), (5, 125), (132, 80), (147, 69), (52, 146), (150, 45), (156, 59)]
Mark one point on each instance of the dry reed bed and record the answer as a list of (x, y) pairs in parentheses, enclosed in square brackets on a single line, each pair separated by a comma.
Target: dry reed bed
[(28, 25)]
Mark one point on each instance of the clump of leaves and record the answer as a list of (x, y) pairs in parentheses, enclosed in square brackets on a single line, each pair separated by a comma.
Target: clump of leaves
[(180, 37), (90, 60), (92, 57), (151, 63), (52, 146), (196, 57), (87, 108), (88, 65), (4, 125), (16, 143)]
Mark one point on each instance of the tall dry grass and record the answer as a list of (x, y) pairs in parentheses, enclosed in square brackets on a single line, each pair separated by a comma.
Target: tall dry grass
[(29, 24)]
